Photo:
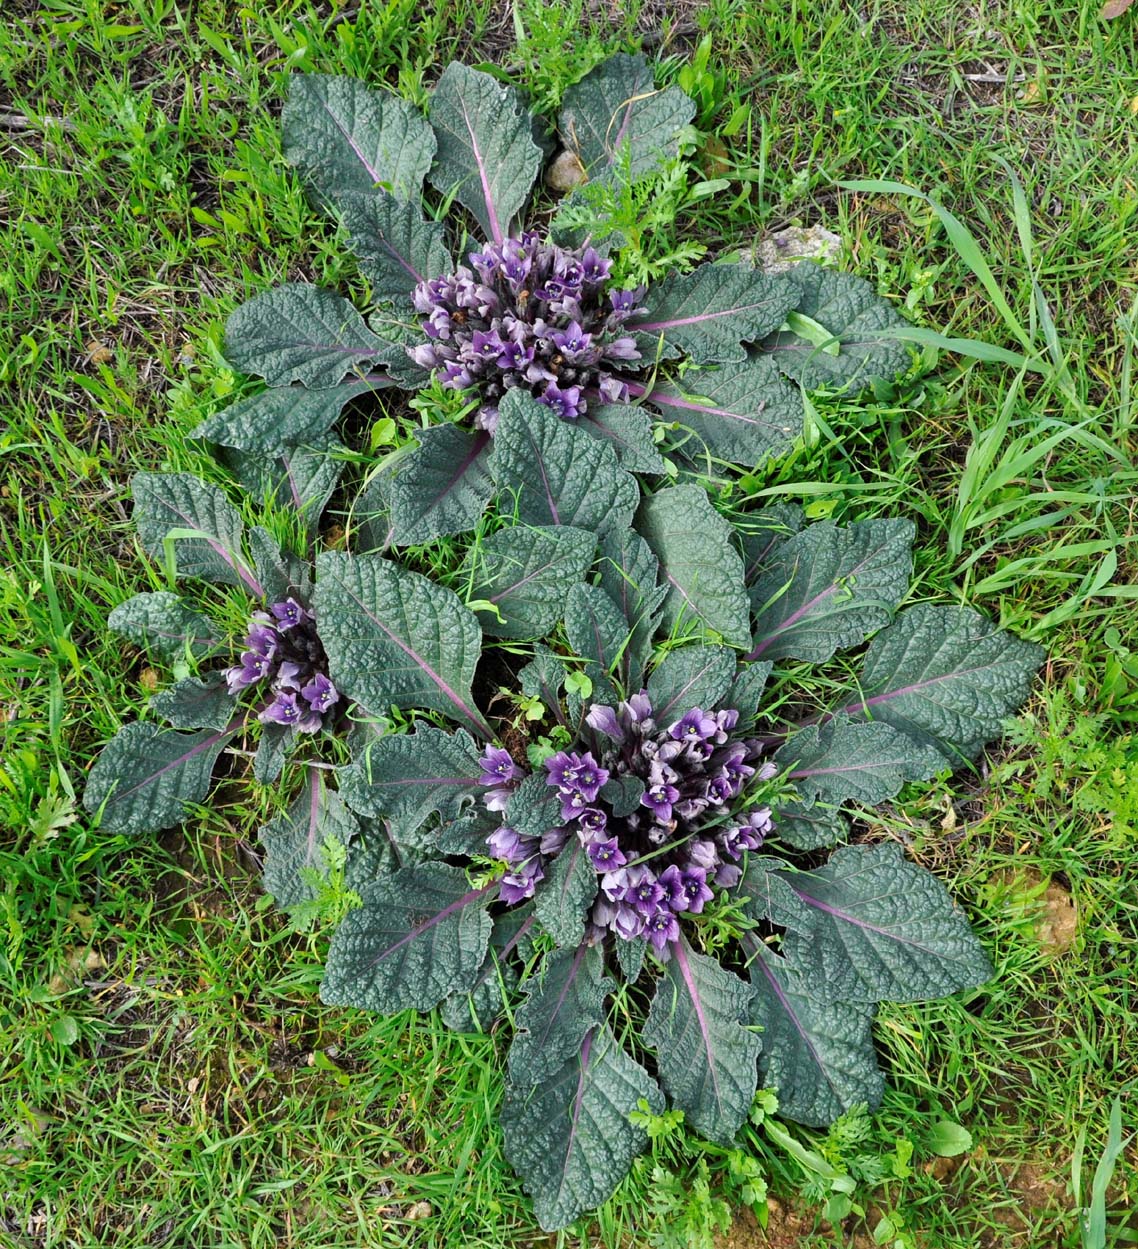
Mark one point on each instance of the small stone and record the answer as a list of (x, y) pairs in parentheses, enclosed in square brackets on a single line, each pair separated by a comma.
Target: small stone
[(420, 1210), (565, 173), (99, 353), (783, 250)]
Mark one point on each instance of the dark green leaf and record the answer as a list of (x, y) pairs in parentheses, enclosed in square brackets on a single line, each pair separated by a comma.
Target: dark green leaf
[(810, 827), (623, 794), (561, 475), (885, 930), (711, 312), (698, 561), (543, 678), (421, 934), (394, 638), (618, 124), (486, 153), (744, 692), (300, 333), (766, 530), (826, 588), (371, 527), (705, 1055), (273, 749), (196, 704), (854, 314), (630, 957), (687, 677), (571, 1138), (147, 776), (564, 1002), (945, 675), (534, 807), (345, 137), (443, 486), (295, 840), (865, 762), (396, 246), (281, 417), (817, 1055), (597, 632), (406, 777), (629, 431), (562, 899), (767, 898), (741, 412), (628, 575), (301, 478), (497, 978), (161, 620), (165, 502), (527, 572)]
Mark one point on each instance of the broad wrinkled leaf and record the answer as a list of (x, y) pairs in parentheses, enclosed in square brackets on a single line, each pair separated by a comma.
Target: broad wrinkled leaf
[(166, 502), (564, 1000), (407, 777), (397, 330), (704, 1053), (160, 619), (543, 677), (767, 898), (854, 314), (563, 898), (687, 677), (628, 429), (396, 246), (196, 704), (534, 807), (345, 137), (703, 571), (711, 312), (301, 478), (817, 1055), (810, 827), (276, 744), (741, 412), (486, 153), (628, 575), (864, 762), (527, 572), (767, 530), (570, 1138), (443, 486), (618, 124), (282, 574), (744, 692), (826, 588), (147, 776), (300, 333), (559, 474), (598, 632), (371, 527), (945, 675), (280, 417), (420, 935), (295, 840), (885, 930), (394, 638), (497, 978), (630, 959), (623, 794)]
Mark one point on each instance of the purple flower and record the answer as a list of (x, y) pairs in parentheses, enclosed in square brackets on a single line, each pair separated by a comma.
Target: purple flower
[(627, 922), (595, 269), (604, 720), (572, 342), (606, 855), (553, 839), (621, 349), (567, 403), (286, 710), (320, 693), (592, 822), (661, 928), (289, 614), (658, 799), (695, 726), (253, 668), (516, 886), (263, 639), (497, 767), (646, 892)]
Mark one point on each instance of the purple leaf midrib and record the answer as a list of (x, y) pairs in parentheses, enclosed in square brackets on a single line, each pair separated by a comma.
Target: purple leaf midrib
[(837, 913), (702, 316), (672, 702), (862, 766), (373, 173), (586, 1050), (211, 741), (666, 399), (313, 812), (443, 686), (487, 193), (241, 569), (877, 699), (432, 921), (569, 982), (464, 465), (697, 1004)]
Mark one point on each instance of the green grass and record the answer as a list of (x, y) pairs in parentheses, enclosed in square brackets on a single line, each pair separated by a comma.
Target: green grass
[(167, 1076)]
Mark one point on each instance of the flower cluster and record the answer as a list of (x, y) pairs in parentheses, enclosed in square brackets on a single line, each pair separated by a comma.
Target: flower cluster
[(527, 313), (284, 650), (682, 834)]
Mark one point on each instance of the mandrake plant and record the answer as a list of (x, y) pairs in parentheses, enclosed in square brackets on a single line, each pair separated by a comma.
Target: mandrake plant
[(586, 774)]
